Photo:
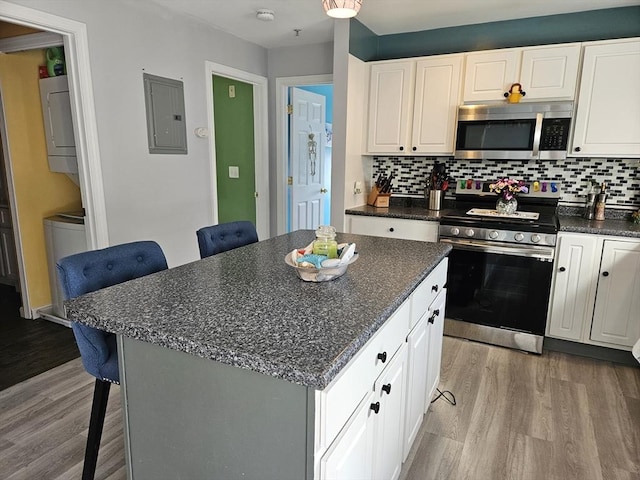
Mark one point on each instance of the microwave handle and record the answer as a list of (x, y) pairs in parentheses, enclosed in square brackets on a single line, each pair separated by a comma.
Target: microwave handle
[(537, 133)]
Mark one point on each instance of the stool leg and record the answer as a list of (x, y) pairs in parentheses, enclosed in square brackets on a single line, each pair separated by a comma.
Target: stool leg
[(98, 411)]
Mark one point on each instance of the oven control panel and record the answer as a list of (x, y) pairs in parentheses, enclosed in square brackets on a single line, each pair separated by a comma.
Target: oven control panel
[(498, 236)]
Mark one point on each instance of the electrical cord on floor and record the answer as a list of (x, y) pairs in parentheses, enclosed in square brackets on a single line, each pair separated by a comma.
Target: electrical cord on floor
[(444, 395)]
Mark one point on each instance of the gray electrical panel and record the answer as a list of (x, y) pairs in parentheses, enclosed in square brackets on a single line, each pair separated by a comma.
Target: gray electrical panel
[(166, 126)]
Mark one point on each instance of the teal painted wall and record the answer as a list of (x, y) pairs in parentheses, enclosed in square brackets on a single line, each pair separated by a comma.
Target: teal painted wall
[(363, 43), (234, 147), (572, 27)]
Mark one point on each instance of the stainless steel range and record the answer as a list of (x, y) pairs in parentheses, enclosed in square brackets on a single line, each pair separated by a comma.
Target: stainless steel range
[(501, 266)]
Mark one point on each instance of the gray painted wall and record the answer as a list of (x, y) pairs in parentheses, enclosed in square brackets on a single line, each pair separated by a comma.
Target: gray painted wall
[(155, 197), (290, 62)]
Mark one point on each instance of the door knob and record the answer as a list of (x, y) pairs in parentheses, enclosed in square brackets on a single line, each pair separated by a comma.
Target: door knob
[(323, 190)]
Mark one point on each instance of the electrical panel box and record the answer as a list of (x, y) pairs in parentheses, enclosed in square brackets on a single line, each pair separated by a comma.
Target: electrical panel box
[(166, 126)]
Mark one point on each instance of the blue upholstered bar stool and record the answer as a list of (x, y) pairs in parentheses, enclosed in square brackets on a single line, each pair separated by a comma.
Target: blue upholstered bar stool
[(86, 272), (225, 236)]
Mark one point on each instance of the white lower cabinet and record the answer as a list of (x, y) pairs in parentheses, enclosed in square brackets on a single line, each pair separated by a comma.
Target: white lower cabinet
[(390, 227), (417, 349), (596, 290), (368, 418), (389, 401), (349, 457), (616, 315), (435, 331)]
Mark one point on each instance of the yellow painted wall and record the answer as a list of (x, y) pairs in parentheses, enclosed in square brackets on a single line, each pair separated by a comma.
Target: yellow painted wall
[(40, 193)]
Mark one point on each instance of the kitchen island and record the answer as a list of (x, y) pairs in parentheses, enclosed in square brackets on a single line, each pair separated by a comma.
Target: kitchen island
[(233, 367)]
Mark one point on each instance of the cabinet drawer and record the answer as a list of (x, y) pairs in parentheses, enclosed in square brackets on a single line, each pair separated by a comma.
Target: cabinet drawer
[(427, 291), (401, 228), (339, 400)]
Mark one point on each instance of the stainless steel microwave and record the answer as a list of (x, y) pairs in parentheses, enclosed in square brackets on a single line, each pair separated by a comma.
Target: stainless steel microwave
[(520, 131)]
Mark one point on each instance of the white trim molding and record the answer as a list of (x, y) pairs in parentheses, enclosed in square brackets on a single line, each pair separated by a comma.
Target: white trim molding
[(261, 139), (76, 44), (31, 41), (282, 139)]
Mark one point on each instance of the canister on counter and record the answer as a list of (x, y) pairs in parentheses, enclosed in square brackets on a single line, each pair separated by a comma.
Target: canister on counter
[(601, 201), (590, 206)]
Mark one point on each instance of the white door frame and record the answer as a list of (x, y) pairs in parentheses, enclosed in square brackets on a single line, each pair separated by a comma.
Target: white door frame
[(261, 144), (76, 46), (282, 139)]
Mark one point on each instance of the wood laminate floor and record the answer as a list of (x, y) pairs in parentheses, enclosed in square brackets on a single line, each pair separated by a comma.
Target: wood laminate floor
[(29, 347), (518, 416)]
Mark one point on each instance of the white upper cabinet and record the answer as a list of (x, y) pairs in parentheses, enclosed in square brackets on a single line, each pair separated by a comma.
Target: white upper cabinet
[(545, 72), (390, 106), (489, 74), (550, 72), (437, 95), (413, 105), (607, 121)]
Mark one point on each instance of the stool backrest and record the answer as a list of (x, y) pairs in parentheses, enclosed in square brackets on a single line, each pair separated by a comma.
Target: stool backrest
[(96, 269), (225, 236)]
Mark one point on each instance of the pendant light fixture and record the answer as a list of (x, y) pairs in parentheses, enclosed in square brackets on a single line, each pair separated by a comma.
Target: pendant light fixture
[(342, 8)]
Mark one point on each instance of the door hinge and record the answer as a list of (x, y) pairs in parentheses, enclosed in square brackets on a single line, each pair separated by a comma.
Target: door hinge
[(289, 109), (289, 180)]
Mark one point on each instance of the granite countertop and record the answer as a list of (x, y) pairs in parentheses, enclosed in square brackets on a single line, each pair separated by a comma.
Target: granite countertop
[(398, 211), (569, 218), (247, 308), (610, 226)]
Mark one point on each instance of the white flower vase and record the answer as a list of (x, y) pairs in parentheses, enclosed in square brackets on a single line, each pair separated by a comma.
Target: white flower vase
[(506, 207)]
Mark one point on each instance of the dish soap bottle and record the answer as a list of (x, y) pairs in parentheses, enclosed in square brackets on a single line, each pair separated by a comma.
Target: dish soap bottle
[(325, 242)]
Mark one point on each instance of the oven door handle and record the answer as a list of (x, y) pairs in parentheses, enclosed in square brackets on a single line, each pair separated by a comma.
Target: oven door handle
[(531, 251)]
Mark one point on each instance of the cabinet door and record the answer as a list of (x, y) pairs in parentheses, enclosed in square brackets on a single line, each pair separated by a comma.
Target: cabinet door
[(550, 72), (390, 106), (437, 95), (488, 75), (616, 318), (435, 330), (421, 230), (390, 393), (416, 383), (607, 121), (571, 304), (351, 455)]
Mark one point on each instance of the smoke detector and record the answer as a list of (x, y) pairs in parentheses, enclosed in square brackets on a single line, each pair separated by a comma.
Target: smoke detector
[(265, 15)]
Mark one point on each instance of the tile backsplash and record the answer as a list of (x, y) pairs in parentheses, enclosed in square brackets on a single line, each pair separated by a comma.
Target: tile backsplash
[(573, 175)]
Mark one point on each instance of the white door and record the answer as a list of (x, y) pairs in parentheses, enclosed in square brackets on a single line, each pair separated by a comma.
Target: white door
[(309, 185)]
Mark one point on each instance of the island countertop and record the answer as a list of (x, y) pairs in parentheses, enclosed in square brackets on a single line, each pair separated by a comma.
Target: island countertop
[(248, 308)]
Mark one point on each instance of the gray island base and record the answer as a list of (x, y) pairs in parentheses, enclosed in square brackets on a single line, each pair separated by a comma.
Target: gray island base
[(233, 367)]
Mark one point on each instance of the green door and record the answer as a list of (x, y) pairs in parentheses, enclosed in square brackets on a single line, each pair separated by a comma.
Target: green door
[(235, 152)]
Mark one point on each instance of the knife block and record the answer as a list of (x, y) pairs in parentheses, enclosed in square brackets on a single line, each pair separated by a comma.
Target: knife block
[(377, 199)]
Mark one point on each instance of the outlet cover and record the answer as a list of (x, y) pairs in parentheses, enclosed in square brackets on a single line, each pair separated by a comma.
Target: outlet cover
[(234, 172)]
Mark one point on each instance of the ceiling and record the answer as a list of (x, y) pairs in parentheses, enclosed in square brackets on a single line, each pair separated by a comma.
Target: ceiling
[(383, 17)]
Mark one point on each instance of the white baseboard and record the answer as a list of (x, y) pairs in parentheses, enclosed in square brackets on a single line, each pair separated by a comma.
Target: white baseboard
[(47, 314)]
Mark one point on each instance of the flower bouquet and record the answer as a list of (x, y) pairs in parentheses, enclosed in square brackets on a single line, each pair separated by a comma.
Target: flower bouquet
[(507, 189)]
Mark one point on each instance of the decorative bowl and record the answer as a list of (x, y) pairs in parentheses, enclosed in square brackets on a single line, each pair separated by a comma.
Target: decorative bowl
[(311, 274)]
